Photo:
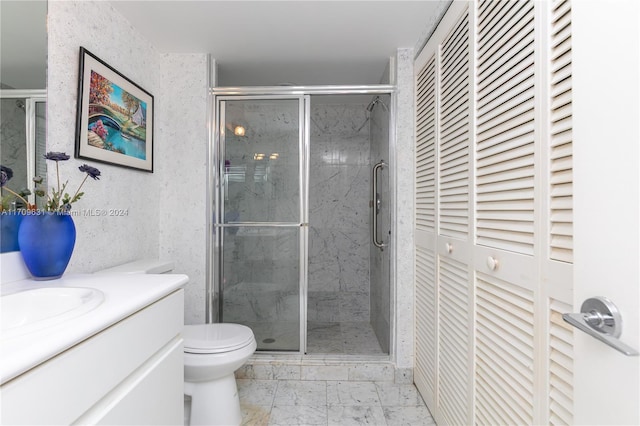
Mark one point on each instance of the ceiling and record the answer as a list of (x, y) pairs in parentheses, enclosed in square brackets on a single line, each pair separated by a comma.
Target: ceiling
[(299, 42)]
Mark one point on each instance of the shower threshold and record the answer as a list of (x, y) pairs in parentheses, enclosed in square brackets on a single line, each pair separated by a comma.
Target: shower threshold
[(288, 366)]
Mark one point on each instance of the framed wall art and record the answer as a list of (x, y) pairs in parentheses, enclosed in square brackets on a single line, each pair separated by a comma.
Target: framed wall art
[(114, 122)]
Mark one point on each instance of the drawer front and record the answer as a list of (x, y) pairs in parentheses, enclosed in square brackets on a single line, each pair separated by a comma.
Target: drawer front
[(152, 395)]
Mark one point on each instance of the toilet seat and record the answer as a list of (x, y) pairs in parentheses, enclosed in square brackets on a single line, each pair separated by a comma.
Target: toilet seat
[(216, 338)]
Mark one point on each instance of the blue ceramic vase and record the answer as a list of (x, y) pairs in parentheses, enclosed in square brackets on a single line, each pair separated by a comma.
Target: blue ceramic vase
[(46, 243), (9, 224)]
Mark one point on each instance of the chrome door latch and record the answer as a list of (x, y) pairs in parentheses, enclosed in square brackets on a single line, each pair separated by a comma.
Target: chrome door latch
[(600, 318)]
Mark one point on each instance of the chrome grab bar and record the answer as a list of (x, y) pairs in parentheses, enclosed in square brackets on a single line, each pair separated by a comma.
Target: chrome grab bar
[(375, 197)]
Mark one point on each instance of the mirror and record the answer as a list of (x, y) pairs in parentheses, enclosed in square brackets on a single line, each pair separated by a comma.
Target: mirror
[(23, 70)]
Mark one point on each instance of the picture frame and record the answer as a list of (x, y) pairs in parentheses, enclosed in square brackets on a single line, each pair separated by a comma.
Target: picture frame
[(114, 122)]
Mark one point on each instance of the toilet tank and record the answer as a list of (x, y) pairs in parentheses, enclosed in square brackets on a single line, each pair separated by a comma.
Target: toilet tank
[(141, 266)]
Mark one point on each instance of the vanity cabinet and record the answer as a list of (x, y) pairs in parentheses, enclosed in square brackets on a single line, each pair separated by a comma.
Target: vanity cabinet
[(129, 373)]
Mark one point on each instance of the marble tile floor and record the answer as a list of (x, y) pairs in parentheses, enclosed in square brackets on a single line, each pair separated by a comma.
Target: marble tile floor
[(330, 403), (340, 403), (342, 338)]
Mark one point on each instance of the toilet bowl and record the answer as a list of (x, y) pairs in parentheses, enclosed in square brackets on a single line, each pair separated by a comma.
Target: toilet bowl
[(212, 354)]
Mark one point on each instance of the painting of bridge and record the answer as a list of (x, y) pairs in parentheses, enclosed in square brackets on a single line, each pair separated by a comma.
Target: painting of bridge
[(117, 119), (115, 116)]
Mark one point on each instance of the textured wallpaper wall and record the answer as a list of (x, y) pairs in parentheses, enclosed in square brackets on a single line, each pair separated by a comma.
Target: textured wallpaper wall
[(164, 210), (403, 296), (181, 159), (109, 240)]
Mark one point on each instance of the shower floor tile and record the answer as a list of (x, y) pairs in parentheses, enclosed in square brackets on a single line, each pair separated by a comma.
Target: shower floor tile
[(276, 336), (331, 338), (344, 338), (324, 337)]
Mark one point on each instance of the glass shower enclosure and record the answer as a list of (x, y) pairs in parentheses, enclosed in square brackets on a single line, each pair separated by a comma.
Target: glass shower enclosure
[(292, 218), (260, 228)]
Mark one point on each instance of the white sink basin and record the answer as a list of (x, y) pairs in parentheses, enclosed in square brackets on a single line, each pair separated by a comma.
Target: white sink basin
[(32, 310)]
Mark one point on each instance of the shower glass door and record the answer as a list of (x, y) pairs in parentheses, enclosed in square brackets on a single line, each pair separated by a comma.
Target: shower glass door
[(260, 224)]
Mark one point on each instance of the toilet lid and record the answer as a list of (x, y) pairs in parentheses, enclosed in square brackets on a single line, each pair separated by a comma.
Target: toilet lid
[(216, 338)]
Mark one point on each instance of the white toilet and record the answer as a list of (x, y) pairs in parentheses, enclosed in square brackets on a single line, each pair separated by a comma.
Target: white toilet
[(212, 353)]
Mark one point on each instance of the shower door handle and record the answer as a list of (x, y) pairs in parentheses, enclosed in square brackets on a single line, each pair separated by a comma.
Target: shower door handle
[(375, 197)]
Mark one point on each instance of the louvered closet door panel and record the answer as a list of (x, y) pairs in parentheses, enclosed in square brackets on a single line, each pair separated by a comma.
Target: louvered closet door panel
[(426, 345), (425, 147), (560, 216), (561, 140), (454, 134), (453, 342), (504, 353), (505, 126), (560, 365)]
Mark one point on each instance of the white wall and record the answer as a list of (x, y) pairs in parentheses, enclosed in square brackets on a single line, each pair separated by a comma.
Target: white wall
[(166, 208)]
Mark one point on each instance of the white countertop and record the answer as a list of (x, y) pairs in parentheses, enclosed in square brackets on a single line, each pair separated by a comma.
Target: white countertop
[(123, 296)]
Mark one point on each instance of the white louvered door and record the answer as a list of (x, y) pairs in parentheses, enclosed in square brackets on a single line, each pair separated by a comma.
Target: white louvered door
[(494, 215), (443, 221), (453, 284), (425, 263)]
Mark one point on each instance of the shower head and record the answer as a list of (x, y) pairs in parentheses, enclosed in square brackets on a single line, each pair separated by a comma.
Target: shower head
[(375, 101)]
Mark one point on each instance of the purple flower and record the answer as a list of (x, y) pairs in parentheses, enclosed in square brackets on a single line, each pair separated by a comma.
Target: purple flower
[(5, 175), (91, 171), (56, 156)]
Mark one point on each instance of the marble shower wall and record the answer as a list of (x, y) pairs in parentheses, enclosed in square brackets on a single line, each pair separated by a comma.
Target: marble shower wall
[(339, 213), (380, 259)]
